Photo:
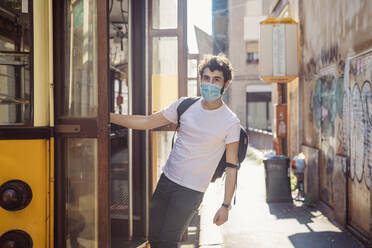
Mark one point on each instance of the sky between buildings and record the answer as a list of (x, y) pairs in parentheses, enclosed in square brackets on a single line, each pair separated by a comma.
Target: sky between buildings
[(199, 13)]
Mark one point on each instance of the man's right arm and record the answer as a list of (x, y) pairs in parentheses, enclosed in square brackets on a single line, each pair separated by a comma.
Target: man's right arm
[(140, 122)]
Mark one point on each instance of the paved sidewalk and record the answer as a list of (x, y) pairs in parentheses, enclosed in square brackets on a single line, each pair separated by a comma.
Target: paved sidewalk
[(254, 223)]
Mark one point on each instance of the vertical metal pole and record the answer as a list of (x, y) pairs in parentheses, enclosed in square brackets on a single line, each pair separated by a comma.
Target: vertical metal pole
[(130, 131), (147, 204)]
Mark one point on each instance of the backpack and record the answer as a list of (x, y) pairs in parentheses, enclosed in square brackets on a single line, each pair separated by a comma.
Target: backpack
[(243, 140)]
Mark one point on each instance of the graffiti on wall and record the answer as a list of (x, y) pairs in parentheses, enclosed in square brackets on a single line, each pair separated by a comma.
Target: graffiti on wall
[(367, 106), (325, 105), (360, 73), (329, 163), (357, 134), (344, 129), (327, 56), (342, 109)]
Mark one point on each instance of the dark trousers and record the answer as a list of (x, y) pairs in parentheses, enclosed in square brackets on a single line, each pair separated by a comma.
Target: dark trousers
[(171, 210)]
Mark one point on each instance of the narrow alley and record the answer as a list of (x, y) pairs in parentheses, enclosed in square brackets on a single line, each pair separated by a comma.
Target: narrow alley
[(254, 223), (93, 94)]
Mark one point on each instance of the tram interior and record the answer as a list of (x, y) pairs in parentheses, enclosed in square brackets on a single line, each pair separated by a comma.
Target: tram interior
[(119, 103), (15, 43)]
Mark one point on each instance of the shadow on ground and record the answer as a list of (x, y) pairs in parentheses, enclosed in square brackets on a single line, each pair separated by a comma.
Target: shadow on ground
[(313, 238), (322, 240), (290, 211)]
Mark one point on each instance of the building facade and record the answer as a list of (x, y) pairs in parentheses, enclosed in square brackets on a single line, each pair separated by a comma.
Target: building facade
[(248, 96), (328, 106)]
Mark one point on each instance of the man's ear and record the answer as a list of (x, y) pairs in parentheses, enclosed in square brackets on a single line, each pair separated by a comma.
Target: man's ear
[(227, 84)]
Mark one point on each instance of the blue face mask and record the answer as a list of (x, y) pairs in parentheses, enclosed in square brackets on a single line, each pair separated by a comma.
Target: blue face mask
[(210, 92)]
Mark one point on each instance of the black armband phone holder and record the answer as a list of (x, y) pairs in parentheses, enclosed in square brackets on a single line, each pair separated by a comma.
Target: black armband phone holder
[(231, 165)]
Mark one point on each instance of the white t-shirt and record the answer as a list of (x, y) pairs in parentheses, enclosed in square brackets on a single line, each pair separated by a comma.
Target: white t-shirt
[(200, 143)]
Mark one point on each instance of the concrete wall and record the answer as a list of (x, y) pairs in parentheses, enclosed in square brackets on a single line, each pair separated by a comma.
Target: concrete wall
[(294, 94), (335, 83)]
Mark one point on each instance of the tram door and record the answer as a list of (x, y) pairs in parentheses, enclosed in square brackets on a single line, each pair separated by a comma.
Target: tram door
[(128, 174), (81, 123)]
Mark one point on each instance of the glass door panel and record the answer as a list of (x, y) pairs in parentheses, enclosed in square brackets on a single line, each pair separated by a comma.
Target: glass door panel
[(81, 202), (81, 100), (81, 133), (81, 87)]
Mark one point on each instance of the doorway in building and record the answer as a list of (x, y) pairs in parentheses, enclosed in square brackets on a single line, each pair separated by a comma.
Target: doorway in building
[(325, 89), (359, 179)]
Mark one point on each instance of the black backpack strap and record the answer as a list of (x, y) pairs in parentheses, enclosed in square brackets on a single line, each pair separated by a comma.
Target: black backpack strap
[(182, 107)]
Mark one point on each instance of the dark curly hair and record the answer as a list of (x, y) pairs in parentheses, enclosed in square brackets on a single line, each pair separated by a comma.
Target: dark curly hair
[(219, 62)]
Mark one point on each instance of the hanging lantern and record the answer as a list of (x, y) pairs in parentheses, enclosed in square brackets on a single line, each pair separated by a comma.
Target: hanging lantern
[(278, 49)]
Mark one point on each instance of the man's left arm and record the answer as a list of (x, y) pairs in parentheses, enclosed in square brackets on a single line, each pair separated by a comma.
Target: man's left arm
[(222, 214)]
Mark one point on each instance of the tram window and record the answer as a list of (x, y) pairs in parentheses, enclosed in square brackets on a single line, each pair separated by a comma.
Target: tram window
[(165, 14), (164, 71), (192, 88), (15, 50), (192, 74)]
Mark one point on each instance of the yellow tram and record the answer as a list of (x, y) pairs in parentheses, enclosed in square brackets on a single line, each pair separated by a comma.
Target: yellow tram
[(67, 177), (26, 118)]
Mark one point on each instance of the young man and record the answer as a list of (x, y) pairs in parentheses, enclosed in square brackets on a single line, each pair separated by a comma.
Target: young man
[(207, 127)]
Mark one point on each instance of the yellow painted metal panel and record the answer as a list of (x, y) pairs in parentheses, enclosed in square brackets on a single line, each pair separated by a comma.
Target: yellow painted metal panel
[(41, 62), (272, 20), (51, 193), (50, 75), (47, 170), (26, 160)]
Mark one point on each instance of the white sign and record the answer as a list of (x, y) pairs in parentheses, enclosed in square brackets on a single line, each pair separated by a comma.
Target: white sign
[(279, 51)]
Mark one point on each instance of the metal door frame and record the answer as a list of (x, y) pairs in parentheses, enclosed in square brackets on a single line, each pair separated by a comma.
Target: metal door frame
[(89, 127)]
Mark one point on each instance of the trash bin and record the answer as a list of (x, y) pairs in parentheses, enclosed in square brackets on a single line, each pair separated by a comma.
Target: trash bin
[(277, 179)]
